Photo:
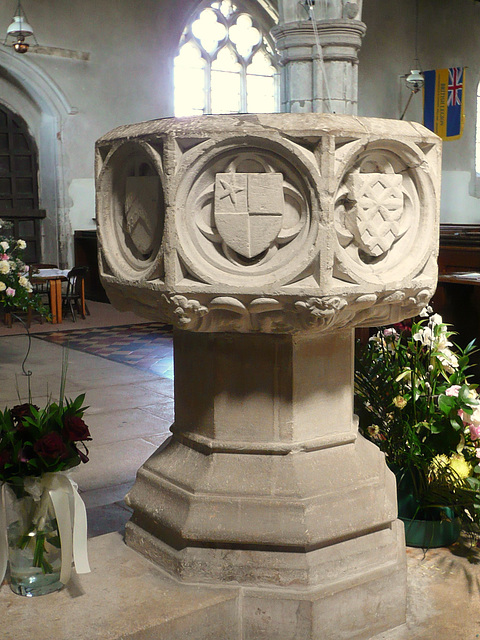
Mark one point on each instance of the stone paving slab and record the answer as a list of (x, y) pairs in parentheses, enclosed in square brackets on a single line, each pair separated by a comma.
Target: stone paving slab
[(124, 598), (104, 469), (442, 596), (128, 424)]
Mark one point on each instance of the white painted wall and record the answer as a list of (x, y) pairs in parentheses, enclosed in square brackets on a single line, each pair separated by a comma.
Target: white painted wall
[(448, 36)]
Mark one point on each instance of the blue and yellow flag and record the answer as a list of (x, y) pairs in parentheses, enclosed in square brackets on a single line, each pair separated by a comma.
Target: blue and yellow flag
[(443, 102)]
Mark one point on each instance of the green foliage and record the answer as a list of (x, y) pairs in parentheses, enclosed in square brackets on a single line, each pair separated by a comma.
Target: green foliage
[(415, 402), (35, 441)]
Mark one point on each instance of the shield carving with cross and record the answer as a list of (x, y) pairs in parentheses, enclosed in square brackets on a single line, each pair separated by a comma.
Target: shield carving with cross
[(379, 206), (248, 210)]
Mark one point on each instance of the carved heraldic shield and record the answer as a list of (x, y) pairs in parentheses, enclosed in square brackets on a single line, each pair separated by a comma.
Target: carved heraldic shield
[(249, 210), (378, 207), (141, 210)]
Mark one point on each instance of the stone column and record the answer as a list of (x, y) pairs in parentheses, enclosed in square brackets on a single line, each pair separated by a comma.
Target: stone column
[(265, 240), (319, 76)]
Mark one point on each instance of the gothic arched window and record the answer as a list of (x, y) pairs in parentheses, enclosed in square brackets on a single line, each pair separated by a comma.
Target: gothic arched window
[(225, 63)]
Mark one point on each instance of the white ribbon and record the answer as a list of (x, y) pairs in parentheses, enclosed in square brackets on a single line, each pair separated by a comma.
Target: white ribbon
[(70, 514)]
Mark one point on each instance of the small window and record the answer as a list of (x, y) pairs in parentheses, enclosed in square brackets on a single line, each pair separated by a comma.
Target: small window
[(225, 63)]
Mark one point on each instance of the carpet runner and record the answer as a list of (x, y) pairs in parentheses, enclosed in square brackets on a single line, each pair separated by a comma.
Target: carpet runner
[(145, 346)]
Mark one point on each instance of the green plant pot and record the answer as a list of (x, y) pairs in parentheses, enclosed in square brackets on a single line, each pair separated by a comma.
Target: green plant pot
[(424, 528), (430, 534)]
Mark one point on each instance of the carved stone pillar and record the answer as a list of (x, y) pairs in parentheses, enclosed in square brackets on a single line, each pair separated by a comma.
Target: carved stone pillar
[(266, 240), (319, 77)]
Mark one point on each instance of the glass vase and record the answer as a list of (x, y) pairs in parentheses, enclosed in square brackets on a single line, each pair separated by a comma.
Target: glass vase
[(34, 551)]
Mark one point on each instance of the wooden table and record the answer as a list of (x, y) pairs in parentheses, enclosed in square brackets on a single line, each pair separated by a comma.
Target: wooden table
[(54, 277)]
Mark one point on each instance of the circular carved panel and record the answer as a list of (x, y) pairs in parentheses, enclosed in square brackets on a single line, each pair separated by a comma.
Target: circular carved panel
[(131, 208), (246, 213), (384, 211)]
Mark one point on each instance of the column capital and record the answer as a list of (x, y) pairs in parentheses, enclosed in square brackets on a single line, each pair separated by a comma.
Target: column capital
[(333, 9), (340, 39)]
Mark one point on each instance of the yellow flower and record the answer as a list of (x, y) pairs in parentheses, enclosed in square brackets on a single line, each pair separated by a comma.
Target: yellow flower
[(375, 433), (461, 467), (399, 402), (440, 461), (456, 462)]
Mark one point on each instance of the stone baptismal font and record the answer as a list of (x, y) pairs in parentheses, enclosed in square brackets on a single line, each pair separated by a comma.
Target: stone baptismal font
[(265, 240)]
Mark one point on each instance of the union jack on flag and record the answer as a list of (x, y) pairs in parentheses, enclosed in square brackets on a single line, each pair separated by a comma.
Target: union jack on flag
[(443, 101), (455, 86)]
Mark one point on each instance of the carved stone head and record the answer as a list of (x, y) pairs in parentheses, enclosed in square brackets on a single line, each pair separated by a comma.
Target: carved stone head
[(270, 223)]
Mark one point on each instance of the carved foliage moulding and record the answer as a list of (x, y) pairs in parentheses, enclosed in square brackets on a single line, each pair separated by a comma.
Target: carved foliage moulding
[(281, 315)]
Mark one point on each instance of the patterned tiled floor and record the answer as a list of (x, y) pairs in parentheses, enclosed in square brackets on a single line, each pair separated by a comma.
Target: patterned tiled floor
[(146, 346)]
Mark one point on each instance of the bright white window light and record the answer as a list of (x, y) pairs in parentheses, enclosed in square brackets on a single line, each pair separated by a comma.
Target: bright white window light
[(225, 64)]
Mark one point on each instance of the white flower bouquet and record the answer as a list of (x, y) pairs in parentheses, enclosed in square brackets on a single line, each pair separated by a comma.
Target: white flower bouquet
[(16, 291)]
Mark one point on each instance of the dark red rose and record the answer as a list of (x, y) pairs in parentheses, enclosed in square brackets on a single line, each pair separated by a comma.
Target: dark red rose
[(21, 411), (75, 429), (51, 446), (5, 456), (404, 327)]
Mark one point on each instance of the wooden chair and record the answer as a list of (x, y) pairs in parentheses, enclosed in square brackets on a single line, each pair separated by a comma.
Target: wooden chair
[(74, 297), (40, 287)]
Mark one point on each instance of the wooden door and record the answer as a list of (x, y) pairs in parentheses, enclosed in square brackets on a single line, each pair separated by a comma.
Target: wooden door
[(19, 182)]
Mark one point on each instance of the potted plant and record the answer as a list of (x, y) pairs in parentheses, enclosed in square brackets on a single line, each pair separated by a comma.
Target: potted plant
[(415, 402), (43, 515)]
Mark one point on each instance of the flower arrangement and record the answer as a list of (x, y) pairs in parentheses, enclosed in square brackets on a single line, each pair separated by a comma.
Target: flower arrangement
[(35, 445), (415, 402), (35, 441), (16, 291)]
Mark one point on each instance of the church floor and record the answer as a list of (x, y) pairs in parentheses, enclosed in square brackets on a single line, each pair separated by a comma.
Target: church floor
[(126, 372), (130, 411)]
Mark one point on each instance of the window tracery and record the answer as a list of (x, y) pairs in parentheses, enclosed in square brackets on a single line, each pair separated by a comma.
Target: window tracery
[(225, 64)]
